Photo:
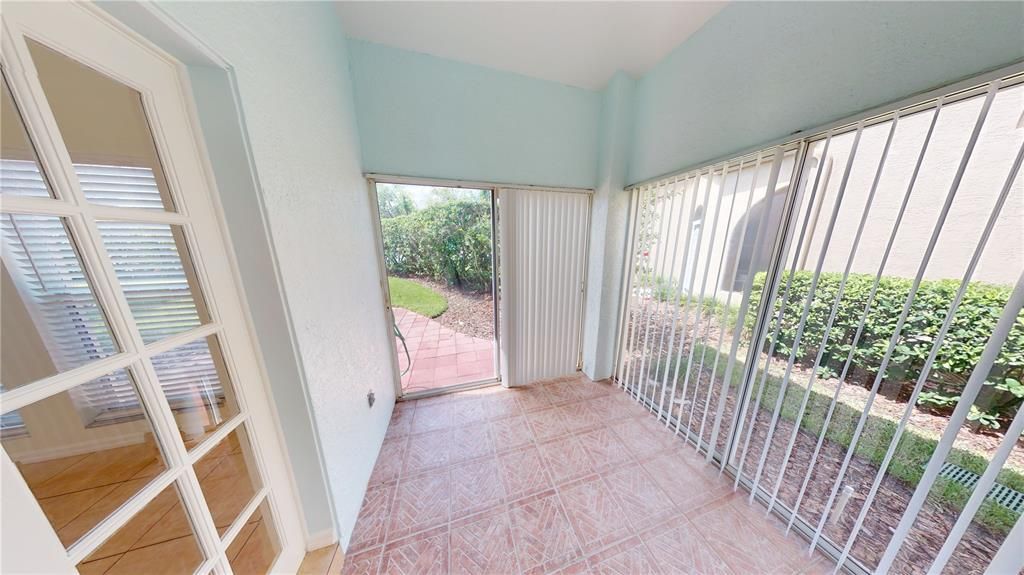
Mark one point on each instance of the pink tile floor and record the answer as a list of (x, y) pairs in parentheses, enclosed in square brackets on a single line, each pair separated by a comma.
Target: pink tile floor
[(440, 356), (566, 476)]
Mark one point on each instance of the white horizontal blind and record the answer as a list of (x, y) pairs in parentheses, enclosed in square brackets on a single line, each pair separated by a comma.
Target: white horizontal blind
[(119, 186), (146, 259), (22, 177), (543, 239), (11, 423)]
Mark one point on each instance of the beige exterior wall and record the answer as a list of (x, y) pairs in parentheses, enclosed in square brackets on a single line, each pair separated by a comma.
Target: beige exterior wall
[(1002, 260)]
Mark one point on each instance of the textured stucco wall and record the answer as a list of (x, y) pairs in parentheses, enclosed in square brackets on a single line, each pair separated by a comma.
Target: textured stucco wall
[(608, 226), (758, 71), (291, 64), (420, 115)]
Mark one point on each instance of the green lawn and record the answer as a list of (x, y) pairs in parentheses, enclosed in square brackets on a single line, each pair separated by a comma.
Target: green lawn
[(414, 297)]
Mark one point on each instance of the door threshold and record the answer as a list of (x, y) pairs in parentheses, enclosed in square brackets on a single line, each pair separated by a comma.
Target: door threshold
[(450, 389)]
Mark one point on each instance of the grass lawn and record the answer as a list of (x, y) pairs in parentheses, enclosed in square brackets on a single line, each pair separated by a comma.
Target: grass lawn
[(414, 297)]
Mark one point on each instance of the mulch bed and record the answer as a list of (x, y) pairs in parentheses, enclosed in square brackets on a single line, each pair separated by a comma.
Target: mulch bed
[(470, 313)]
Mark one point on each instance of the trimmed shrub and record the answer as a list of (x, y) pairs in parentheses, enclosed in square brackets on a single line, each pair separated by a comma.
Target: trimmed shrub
[(448, 241), (959, 353)]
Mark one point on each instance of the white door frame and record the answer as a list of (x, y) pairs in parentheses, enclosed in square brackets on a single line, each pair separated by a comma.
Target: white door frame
[(372, 181), (121, 54)]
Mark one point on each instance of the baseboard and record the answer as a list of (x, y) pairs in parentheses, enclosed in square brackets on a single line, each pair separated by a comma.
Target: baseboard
[(321, 538), (31, 454)]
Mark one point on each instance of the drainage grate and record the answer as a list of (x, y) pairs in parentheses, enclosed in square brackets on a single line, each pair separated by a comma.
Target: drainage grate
[(1001, 494)]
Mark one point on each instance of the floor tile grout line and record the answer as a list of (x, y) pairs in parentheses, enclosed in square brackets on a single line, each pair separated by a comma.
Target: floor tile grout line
[(602, 472)]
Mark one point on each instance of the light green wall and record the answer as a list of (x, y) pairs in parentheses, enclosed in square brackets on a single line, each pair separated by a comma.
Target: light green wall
[(758, 71), (420, 115), (755, 72)]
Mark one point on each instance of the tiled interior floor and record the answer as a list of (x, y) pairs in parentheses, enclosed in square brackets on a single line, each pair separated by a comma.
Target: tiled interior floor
[(440, 356), (77, 492), (566, 476)]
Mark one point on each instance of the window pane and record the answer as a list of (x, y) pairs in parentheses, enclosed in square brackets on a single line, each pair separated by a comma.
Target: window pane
[(11, 423), (19, 168), (152, 262), (158, 539), (195, 380), (850, 400), (80, 466), (51, 321), (257, 545), (229, 478), (104, 126)]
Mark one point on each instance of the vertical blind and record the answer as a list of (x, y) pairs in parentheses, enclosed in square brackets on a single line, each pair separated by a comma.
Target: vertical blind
[(146, 258), (837, 323), (543, 244)]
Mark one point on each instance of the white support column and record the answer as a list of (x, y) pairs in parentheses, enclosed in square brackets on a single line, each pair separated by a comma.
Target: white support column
[(608, 244), (626, 289)]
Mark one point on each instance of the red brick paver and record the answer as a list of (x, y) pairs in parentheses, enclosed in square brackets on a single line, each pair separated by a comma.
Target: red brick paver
[(440, 356)]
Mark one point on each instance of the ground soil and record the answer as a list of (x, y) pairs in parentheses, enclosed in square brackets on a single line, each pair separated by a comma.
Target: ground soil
[(471, 313)]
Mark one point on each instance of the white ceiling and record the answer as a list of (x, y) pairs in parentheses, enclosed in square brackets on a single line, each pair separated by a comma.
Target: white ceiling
[(575, 43)]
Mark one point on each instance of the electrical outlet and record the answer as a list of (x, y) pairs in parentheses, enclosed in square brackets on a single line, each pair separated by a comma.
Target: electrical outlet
[(370, 398)]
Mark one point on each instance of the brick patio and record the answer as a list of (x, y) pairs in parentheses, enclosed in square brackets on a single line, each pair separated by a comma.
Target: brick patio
[(440, 356)]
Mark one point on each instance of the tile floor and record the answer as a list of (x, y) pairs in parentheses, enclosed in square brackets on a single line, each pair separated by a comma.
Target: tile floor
[(440, 356), (78, 492), (566, 476)]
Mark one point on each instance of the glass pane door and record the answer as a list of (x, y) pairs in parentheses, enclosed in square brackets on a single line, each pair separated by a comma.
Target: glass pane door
[(123, 400), (439, 254)]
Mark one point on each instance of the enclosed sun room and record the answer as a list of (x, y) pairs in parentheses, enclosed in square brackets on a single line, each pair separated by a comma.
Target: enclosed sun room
[(546, 287)]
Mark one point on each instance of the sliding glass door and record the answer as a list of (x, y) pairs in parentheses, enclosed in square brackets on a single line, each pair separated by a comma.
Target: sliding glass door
[(837, 323), (438, 253)]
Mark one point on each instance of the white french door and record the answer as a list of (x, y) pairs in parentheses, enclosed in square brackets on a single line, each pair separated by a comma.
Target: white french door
[(137, 430)]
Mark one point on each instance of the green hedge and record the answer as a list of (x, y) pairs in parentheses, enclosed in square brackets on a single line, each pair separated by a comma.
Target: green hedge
[(448, 241), (959, 353)]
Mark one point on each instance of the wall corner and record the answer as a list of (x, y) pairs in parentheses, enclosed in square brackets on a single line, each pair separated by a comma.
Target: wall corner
[(608, 228)]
